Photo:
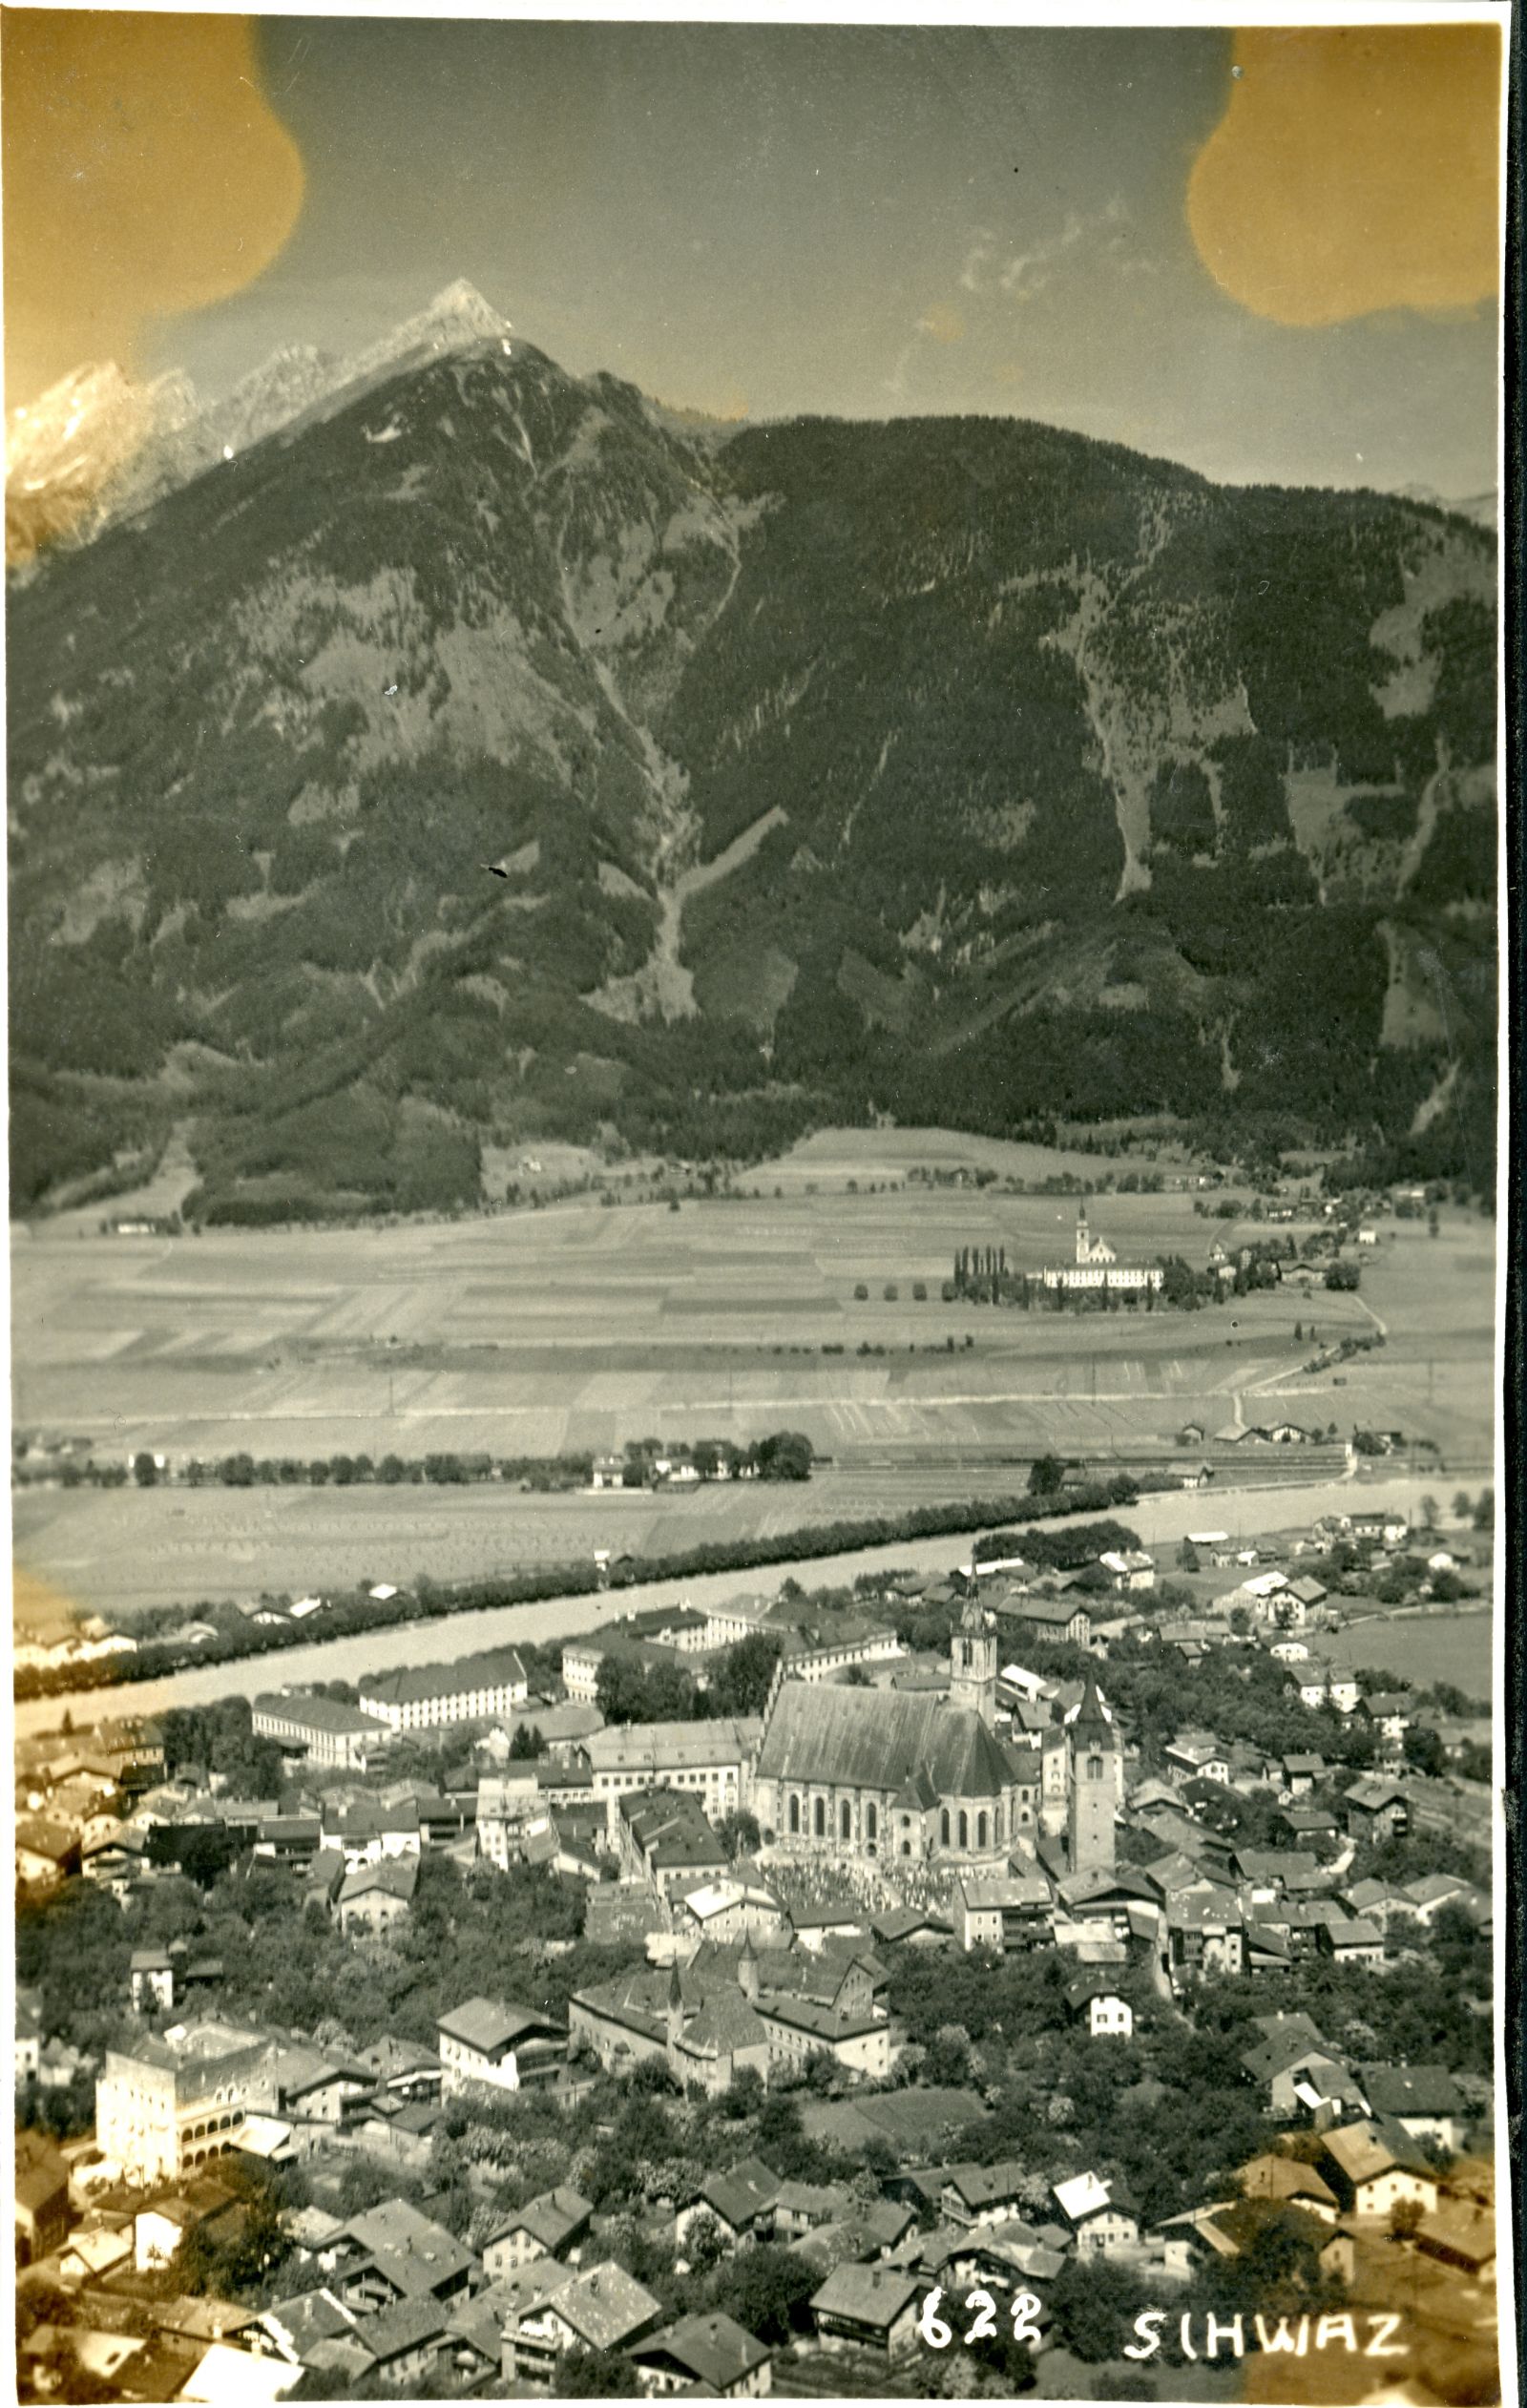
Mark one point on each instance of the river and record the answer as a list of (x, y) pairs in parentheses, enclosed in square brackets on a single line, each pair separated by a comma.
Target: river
[(1161, 1519)]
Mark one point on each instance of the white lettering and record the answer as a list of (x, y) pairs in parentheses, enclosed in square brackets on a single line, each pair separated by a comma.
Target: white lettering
[(1185, 2334), (1025, 2308), (1280, 2338), (985, 2324), (930, 2324), (1328, 2326), (1148, 2325), (1381, 2328), (1216, 2332)]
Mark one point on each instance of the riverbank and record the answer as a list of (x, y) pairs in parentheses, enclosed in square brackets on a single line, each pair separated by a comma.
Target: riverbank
[(1159, 1521)]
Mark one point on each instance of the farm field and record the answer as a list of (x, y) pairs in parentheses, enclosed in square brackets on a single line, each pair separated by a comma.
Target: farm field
[(580, 1326)]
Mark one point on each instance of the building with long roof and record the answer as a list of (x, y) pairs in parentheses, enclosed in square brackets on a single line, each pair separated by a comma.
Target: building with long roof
[(894, 1774)]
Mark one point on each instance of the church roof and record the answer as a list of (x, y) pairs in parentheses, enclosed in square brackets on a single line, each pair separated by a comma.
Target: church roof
[(879, 1740)]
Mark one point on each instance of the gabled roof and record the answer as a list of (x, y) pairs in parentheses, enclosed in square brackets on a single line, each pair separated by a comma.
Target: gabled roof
[(1365, 2150), (714, 2349), (394, 1878), (874, 2295), (605, 2306), (747, 2190), (488, 2025), (1402, 2090)]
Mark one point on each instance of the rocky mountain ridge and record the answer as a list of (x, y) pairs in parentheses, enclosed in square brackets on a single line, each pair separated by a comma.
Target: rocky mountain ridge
[(951, 769)]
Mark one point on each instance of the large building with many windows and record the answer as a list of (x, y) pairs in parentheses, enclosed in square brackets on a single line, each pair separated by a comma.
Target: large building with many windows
[(166, 2105), (426, 1696)]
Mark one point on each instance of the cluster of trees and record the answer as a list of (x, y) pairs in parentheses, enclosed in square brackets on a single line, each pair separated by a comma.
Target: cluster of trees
[(629, 1689)]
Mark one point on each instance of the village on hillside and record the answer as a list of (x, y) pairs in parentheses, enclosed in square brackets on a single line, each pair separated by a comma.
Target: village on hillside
[(737, 1999)]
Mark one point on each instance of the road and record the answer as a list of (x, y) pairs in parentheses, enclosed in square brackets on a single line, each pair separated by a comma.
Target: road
[(1161, 1519)]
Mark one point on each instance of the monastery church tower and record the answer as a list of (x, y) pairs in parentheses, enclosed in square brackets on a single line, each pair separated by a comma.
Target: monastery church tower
[(1093, 1784), (972, 1664)]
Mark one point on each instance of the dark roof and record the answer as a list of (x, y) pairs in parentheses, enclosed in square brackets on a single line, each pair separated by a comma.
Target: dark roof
[(715, 2351), (745, 2191), (407, 2325), (879, 1739), (1402, 2090)]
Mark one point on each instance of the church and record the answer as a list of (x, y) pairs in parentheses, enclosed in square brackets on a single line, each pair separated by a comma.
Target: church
[(863, 1773), (1098, 1266)]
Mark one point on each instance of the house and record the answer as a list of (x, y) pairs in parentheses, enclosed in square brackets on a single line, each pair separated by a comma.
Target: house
[(741, 2202), (376, 1896), (1128, 1568), (710, 2357), (1008, 1913), (912, 1927), (1350, 1941), (1293, 2183), (164, 2227), (1373, 2167), (973, 2197), (1460, 2234), (1096, 2214), (1294, 2067), (1388, 1712), (394, 2251), (1205, 1934), (603, 2309), (1195, 1758), (403, 2341), (554, 2224), (42, 2197), (47, 1854), (1424, 2101), (665, 1840), (151, 1979), (501, 2047), (230, 2376), (1033, 1615), (1302, 1773), (1096, 1999), (871, 2307), (1434, 1891), (1306, 1823), (1376, 1808)]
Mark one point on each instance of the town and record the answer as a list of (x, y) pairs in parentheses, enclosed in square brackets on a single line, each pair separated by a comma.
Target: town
[(1081, 1937)]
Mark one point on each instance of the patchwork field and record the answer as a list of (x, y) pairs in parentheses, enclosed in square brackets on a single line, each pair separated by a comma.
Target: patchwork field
[(582, 1325)]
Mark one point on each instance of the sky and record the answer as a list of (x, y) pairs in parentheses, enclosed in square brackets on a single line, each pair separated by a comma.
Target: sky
[(1271, 260)]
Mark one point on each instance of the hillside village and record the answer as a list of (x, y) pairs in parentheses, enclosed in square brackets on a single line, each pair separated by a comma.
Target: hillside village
[(679, 2009)]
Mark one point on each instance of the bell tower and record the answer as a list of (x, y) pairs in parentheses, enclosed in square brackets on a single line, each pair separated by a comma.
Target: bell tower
[(1093, 1784), (972, 1664)]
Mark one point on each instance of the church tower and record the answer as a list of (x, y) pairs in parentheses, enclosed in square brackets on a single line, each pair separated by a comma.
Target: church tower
[(1093, 1784), (972, 1664), (1083, 1235)]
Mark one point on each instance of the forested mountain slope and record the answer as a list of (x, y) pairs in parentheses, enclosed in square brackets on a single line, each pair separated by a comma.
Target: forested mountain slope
[(962, 769)]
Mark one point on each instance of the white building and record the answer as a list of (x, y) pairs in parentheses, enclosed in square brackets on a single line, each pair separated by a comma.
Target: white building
[(425, 1697), (501, 2047), (169, 2105)]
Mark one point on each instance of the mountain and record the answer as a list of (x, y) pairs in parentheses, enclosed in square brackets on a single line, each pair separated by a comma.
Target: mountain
[(962, 769), (98, 447), (80, 438)]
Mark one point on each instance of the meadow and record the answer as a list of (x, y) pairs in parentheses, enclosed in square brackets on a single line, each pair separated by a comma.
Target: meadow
[(582, 1324)]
